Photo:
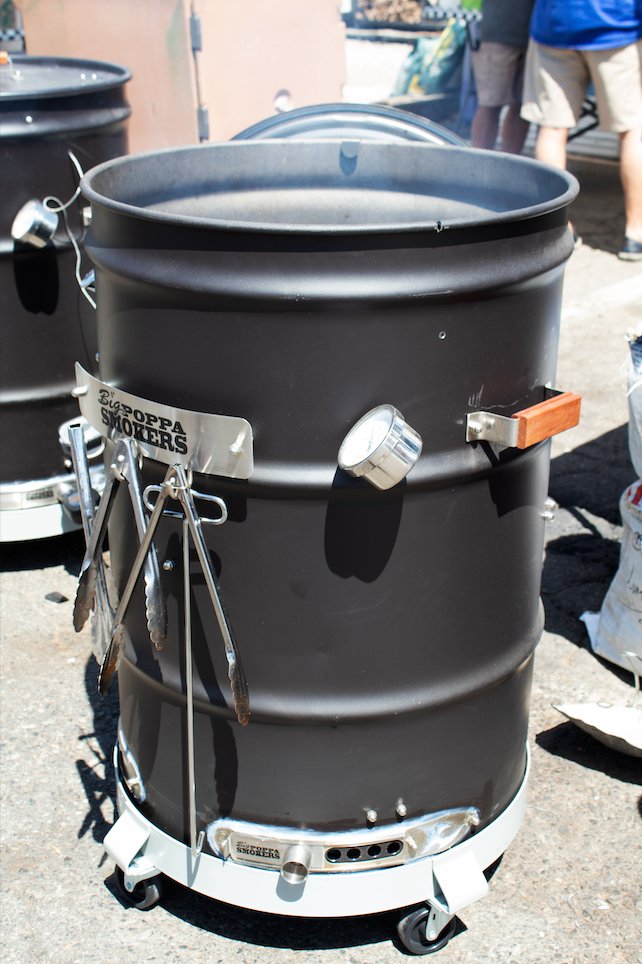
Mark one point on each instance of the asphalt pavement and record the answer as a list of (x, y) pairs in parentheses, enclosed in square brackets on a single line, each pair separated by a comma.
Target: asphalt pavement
[(568, 888)]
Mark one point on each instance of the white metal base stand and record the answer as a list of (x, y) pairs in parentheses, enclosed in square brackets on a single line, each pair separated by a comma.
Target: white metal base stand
[(41, 522), (448, 881)]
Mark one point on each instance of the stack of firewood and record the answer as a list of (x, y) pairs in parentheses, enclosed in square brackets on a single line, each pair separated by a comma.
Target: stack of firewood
[(391, 11)]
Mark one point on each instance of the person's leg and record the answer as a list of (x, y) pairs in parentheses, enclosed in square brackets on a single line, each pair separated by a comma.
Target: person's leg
[(617, 78), (550, 147), (555, 84), (483, 131), (497, 67), (514, 130), (631, 175)]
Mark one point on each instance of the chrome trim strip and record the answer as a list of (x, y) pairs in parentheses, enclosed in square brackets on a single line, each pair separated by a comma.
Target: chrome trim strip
[(387, 845), (39, 492)]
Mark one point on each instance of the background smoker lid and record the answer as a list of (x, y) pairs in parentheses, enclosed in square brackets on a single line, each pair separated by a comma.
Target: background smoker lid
[(27, 78), (374, 122)]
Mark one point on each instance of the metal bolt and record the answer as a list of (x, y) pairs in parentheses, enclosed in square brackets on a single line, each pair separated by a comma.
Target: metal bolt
[(371, 816), (550, 505), (169, 565), (402, 810)]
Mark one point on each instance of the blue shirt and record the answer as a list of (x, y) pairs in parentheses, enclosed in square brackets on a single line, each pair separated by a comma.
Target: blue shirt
[(587, 24)]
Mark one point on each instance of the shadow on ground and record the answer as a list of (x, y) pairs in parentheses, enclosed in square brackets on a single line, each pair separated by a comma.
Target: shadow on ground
[(598, 211), (594, 475), (278, 931), (272, 930), (571, 743), (97, 774), (67, 551), (580, 560)]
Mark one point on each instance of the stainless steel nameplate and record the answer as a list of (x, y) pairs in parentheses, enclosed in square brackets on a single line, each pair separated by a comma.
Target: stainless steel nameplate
[(343, 851), (212, 444)]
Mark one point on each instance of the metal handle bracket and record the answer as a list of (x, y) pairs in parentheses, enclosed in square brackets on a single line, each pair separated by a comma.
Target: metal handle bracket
[(558, 412)]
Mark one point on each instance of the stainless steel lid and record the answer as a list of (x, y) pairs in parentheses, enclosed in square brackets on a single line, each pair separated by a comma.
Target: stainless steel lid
[(372, 122), (28, 78)]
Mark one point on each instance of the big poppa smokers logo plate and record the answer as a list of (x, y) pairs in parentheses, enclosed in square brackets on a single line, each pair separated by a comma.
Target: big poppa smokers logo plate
[(206, 442), (141, 425)]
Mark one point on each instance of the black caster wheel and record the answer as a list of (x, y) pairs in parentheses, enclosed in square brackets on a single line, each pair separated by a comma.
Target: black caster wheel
[(145, 894), (412, 933)]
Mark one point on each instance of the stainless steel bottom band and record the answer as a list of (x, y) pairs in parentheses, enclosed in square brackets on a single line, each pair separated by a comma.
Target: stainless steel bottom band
[(33, 494)]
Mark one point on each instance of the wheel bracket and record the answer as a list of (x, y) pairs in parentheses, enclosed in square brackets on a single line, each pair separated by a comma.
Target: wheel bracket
[(437, 921), (125, 844)]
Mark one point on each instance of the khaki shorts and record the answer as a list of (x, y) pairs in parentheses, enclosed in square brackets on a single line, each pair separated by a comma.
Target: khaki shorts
[(556, 82), (499, 73)]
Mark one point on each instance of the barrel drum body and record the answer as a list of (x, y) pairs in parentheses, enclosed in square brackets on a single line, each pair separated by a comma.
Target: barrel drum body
[(387, 636), (48, 107)]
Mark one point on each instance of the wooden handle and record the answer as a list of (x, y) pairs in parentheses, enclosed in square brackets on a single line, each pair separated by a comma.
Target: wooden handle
[(548, 418)]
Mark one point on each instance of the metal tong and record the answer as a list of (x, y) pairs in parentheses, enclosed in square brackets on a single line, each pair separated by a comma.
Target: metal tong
[(176, 486), (103, 613), (91, 593)]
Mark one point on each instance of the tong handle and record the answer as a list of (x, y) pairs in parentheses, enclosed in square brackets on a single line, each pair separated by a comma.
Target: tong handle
[(118, 637), (103, 609), (196, 496), (80, 462), (155, 608), (238, 683)]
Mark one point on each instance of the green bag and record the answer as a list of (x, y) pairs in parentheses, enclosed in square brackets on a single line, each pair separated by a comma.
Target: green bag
[(433, 66)]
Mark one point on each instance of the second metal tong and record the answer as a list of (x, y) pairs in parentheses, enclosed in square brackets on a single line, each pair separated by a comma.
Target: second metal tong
[(175, 485), (124, 468)]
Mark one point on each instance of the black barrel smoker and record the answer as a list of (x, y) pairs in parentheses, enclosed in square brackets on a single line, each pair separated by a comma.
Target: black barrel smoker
[(58, 117), (325, 388)]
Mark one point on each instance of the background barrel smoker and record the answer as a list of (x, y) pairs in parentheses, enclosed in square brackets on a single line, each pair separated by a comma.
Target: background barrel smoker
[(48, 107)]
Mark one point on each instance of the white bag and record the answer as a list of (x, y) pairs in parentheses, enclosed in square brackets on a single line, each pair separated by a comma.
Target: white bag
[(635, 408), (618, 627)]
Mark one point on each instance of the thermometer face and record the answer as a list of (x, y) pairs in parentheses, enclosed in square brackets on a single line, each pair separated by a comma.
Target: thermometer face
[(381, 447)]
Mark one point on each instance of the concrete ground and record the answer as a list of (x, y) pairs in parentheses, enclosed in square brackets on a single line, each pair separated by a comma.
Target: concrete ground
[(567, 890)]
